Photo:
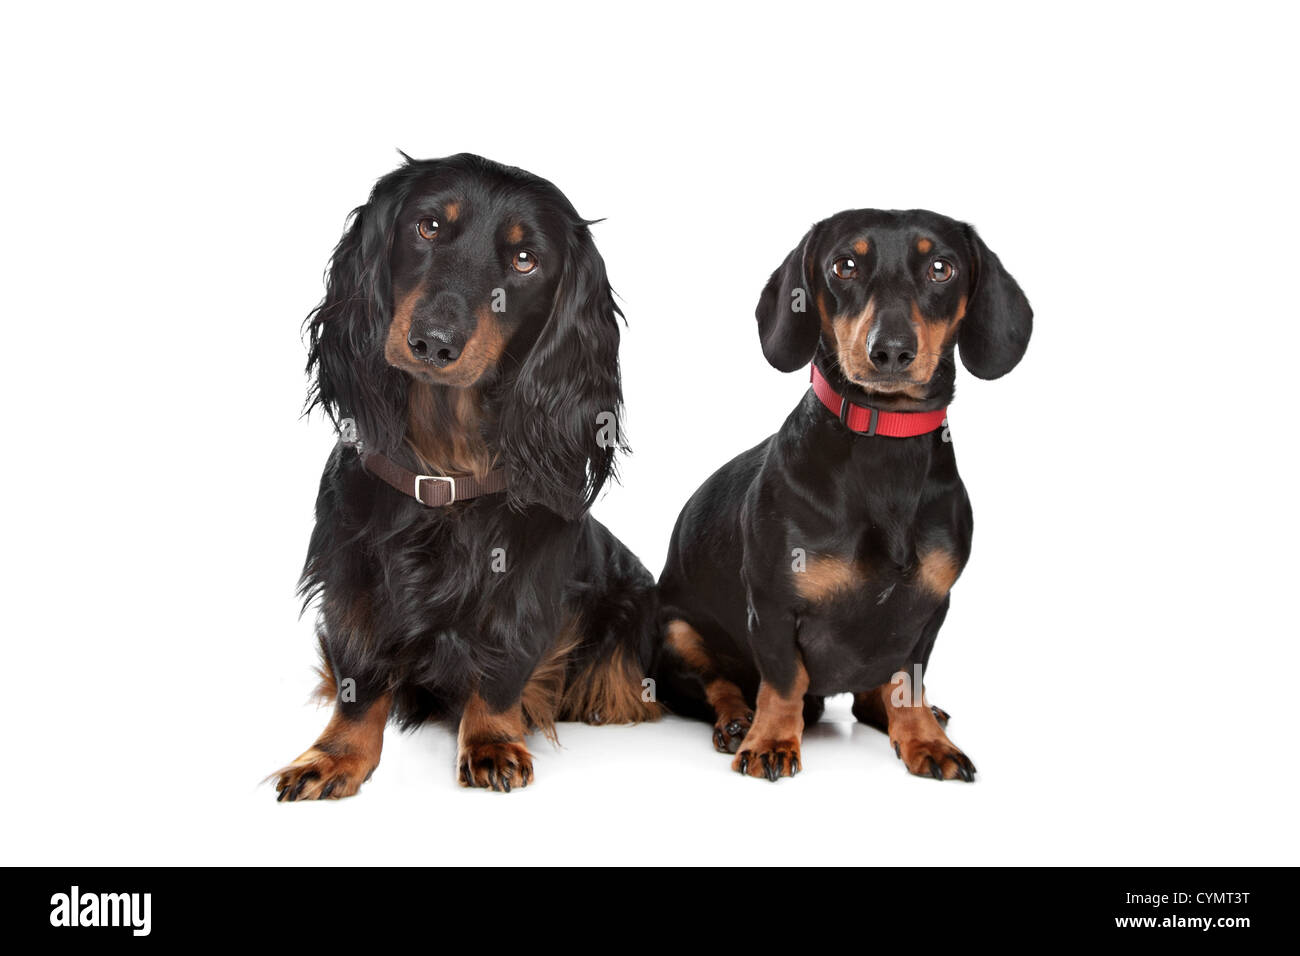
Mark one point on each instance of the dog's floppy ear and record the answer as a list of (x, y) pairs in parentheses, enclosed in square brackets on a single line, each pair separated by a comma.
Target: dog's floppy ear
[(995, 332), (350, 377), (560, 421), (788, 326)]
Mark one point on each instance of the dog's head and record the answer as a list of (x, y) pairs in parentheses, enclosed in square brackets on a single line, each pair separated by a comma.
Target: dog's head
[(886, 296), (462, 273), (477, 254)]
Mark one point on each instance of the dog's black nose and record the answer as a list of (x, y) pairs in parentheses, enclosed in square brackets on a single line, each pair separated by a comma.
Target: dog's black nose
[(893, 354), (437, 346), (891, 343)]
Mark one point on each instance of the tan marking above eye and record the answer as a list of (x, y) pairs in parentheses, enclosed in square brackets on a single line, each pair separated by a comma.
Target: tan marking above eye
[(428, 227), (924, 245), (524, 262), (515, 234), (861, 247), (845, 267), (452, 211)]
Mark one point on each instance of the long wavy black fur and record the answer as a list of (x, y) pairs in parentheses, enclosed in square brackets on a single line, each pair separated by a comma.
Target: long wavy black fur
[(408, 604)]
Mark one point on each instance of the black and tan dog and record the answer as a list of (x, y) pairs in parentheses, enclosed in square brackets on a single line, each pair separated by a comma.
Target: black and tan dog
[(820, 561), (467, 347)]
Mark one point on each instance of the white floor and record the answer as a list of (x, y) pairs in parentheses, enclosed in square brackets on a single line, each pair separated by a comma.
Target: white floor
[(659, 794)]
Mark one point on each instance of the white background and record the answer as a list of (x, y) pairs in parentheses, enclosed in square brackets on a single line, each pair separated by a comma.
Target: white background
[(1121, 653)]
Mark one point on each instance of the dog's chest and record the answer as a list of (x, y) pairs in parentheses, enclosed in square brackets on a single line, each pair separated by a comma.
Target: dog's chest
[(448, 569), (862, 621)]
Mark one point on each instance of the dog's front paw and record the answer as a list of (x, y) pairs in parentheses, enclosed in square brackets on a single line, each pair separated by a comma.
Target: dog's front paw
[(770, 758), (495, 765), (936, 757), (317, 775), (730, 730)]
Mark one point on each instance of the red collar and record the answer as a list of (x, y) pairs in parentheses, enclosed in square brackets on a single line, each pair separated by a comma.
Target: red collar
[(872, 421)]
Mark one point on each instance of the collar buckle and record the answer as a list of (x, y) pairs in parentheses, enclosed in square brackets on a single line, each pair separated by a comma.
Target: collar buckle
[(873, 416), (451, 484), (872, 421)]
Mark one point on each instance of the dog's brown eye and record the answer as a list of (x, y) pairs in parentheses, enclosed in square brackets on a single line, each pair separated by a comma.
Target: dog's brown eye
[(524, 262), (941, 270), (845, 267), (428, 228)]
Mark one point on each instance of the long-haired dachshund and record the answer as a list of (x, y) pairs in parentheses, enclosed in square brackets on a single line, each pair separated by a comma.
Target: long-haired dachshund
[(820, 561), (467, 350)]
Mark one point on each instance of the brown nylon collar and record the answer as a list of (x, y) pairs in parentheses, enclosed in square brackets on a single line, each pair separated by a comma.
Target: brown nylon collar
[(432, 490), (435, 491)]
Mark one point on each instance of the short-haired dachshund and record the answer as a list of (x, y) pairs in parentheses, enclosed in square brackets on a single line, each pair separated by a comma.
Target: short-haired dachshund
[(820, 561)]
